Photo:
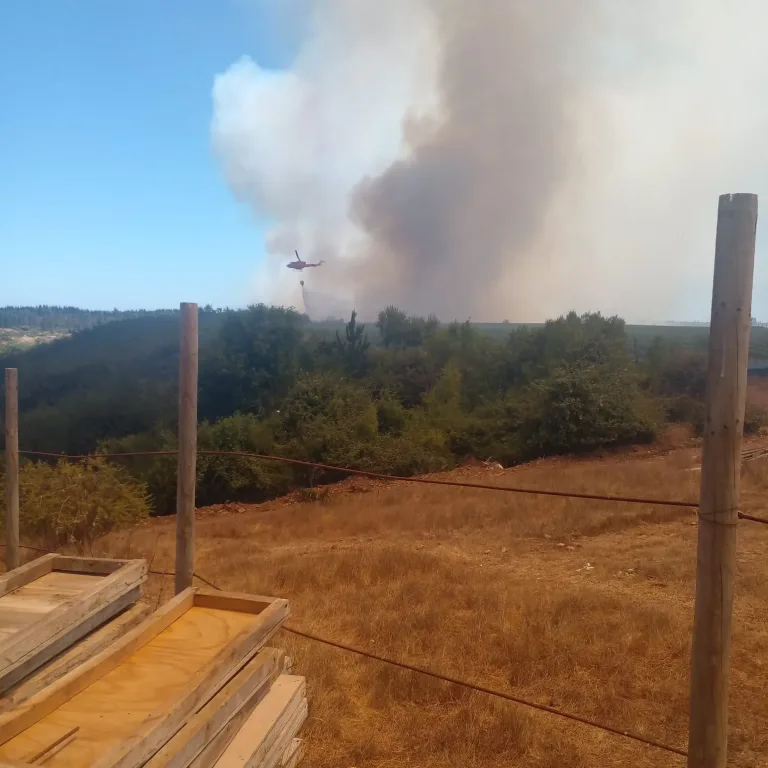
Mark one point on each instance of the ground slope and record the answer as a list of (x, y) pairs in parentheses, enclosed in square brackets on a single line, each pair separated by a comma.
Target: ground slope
[(582, 605)]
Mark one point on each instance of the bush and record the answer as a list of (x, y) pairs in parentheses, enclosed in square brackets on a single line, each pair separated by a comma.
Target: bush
[(686, 410), (157, 473), (75, 504), (754, 420), (493, 431), (236, 478), (585, 407), (334, 421)]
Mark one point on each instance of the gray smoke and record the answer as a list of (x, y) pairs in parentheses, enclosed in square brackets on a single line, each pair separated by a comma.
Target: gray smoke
[(501, 158), (472, 193)]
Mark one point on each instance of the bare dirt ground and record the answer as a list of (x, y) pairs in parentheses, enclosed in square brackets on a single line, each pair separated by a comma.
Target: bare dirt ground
[(582, 605)]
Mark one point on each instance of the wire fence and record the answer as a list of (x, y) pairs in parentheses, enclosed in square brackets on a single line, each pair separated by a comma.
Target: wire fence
[(398, 478), (442, 677), (434, 482), (465, 684)]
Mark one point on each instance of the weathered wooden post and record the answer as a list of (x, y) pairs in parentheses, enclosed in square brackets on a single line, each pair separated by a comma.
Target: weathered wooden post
[(720, 469), (11, 469), (187, 439)]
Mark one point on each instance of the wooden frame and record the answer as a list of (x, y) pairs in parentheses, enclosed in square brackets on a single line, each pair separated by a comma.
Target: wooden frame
[(90, 645), (206, 734), (161, 725), (269, 729), (39, 641)]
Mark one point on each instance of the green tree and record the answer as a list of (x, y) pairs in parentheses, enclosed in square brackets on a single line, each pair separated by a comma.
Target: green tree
[(398, 329), (353, 349), (583, 407)]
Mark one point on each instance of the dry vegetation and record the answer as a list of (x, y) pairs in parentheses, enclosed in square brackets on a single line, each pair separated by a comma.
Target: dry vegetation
[(495, 588), (757, 391)]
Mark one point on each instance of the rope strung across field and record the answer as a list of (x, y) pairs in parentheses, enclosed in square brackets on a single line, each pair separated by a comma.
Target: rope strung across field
[(398, 478), (464, 683)]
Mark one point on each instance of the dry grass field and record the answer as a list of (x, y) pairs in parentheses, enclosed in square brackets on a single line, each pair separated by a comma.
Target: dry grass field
[(583, 605)]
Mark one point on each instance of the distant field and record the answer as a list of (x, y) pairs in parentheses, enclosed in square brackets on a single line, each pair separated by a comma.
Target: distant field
[(23, 338)]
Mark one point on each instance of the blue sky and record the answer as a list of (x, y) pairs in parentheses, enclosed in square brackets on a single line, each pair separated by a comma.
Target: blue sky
[(109, 193)]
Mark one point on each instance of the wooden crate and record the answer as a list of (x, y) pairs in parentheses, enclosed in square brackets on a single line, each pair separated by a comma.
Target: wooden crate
[(206, 734), (93, 643), (52, 602), (120, 707)]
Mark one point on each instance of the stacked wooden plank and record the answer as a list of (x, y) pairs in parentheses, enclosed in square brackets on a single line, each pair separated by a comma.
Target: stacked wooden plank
[(54, 601), (192, 684)]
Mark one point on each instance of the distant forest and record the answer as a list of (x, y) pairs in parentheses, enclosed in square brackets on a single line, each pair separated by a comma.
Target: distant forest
[(403, 395), (51, 318)]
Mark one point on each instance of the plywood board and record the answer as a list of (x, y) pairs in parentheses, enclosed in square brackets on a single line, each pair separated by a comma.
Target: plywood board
[(131, 699), (50, 603)]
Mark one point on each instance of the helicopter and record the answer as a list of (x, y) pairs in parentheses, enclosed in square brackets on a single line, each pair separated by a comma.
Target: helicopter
[(299, 264)]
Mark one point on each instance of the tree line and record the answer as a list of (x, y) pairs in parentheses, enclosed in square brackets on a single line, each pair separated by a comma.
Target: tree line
[(405, 395)]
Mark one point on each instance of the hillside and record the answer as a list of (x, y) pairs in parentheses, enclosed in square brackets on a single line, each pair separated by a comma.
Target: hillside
[(403, 396), (24, 327), (583, 606)]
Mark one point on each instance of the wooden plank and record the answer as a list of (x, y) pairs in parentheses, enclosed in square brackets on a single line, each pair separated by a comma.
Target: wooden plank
[(132, 702), (21, 653), (292, 756), (12, 555), (232, 601), (160, 728), (64, 640), (24, 574), (49, 749), (32, 603), (94, 591), (265, 724), (101, 566), (720, 476), (274, 756), (46, 701), (231, 704), (100, 637)]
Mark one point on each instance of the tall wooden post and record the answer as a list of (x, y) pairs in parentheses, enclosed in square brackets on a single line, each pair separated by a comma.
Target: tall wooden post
[(11, 469), (187, 460), (720, 468)]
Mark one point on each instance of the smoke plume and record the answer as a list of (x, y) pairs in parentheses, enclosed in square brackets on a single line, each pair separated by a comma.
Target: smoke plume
[(501, 158)]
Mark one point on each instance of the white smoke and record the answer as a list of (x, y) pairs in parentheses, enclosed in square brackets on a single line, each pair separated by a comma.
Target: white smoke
[(501, 159)]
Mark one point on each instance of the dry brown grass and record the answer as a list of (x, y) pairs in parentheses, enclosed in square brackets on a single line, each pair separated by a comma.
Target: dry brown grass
[(494, 588), (757, 391)]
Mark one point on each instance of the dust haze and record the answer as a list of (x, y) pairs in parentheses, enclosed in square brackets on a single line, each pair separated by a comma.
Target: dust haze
[(499, 159)]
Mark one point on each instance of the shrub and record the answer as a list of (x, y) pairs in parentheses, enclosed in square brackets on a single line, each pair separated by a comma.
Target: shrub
[(688, 410), (754, 419), (236, 478), (157, 473), (75, 504), (585, 407), (493, 431)]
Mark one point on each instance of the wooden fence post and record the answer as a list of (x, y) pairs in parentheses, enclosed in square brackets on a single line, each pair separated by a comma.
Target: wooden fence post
[(720, 468), (187, 445), (11, 469)]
